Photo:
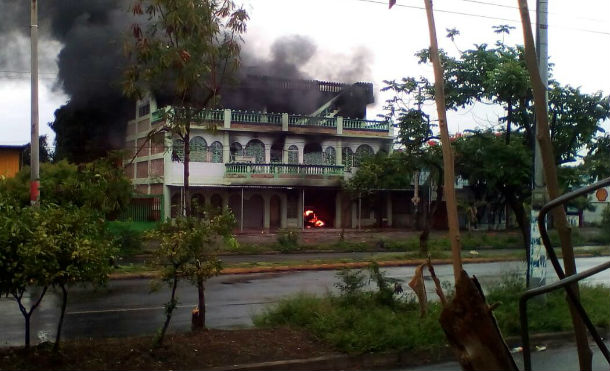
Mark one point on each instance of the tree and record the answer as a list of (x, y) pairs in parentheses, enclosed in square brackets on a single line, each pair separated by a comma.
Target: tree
[(25, 267), (184, 50), (45, 153), (100, 186), (188, 249), (494, 168), (82, 250), (596, 161), (416, 137), (49, 246)]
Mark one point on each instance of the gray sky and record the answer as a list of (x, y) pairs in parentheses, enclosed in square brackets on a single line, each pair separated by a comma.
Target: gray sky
[(382, 41)]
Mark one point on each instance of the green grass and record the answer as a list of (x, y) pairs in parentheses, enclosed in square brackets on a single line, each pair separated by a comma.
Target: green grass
[(358, 325), (360, 322)]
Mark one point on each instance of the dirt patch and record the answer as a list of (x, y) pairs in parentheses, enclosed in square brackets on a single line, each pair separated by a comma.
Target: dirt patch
[(213, 348)]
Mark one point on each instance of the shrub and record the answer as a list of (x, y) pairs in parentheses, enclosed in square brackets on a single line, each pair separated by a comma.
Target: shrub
[(127, 239), (288, 241)]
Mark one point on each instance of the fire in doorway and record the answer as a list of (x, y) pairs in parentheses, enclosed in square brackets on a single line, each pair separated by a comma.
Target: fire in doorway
[(311, 220)]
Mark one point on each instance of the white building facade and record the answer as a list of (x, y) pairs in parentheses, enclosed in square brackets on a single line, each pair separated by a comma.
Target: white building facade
[(267, 167)]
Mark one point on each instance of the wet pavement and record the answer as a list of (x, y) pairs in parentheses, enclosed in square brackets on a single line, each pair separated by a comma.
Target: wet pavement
[(129, 307)]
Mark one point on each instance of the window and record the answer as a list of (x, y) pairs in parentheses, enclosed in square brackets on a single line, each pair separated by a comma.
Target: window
[(330, 156), (236, 150), (144, 110), (312, 154), (364, 151), (348, 158), (216, 152), (256, 149), (199, 150), (178, 150), (293, 154)]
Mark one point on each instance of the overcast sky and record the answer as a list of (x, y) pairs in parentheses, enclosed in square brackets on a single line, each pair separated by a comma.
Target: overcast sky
[(381, 43)]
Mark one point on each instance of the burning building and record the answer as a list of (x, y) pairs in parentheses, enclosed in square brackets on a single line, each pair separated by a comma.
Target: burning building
[(278, 156)]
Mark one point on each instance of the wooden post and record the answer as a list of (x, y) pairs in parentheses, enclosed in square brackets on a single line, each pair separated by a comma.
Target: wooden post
[(449, 173), (550, 175)]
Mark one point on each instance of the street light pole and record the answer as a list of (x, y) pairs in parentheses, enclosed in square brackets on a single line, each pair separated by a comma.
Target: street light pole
[(536, 270), (34, 145)]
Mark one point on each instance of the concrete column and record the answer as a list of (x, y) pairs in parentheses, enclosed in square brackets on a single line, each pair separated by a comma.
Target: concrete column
[(266, 210), (268, 153), (354, 214), (227, 119), (283, 210), (226, 147), (301, 207), (389, 208), (167, 202), (339, 125), (284, 122), (338, 210)]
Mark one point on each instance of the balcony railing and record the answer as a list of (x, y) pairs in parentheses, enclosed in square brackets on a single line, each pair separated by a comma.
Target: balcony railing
[(269, 118), (283, 169)]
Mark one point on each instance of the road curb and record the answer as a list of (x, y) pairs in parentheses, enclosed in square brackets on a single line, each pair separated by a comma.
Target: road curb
[(317, 267)]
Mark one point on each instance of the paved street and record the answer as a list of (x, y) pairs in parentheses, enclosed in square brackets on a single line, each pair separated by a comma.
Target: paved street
[(128, 307), (562, 358)]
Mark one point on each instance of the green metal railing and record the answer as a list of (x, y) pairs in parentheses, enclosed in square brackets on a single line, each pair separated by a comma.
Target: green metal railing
[(144, 208), (281, 169), (256, 117), (357, 124), (325, 122), (269, 118)]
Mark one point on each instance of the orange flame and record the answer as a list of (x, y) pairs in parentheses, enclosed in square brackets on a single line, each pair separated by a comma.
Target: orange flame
[(311, 220)]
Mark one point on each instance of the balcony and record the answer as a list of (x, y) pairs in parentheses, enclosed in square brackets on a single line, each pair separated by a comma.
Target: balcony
[(277, 170), (286, 122)]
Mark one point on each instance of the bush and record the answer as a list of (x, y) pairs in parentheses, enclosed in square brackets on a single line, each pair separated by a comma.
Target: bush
[(288, 241), (126, 238)]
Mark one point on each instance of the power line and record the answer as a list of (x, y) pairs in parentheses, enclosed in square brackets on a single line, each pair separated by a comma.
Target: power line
[(378, 2), (531, 11)]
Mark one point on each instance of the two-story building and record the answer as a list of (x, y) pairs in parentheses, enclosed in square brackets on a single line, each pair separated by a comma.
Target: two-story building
[(282, 147)]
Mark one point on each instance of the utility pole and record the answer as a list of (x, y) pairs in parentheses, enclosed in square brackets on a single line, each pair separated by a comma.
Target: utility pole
[(536, 270), (34, 145)]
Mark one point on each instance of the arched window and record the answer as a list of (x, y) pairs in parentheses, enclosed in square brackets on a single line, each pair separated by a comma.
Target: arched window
[(198, 205), (236, 150), (330, 156), (256, 149), (178, 150), (347, 158), (216, 152), (364, 151), (199, 150), (312, 154), (293, 154)]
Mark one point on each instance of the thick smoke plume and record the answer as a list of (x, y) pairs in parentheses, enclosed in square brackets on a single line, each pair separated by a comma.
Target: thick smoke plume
[(90, 65)]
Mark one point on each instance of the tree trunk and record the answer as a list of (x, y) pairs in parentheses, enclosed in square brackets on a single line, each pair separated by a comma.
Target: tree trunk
[(522, 221), (168, 313), (550, 175), (425, 234), (449, 173), (28, 314), (64, 303), (198, 320), (467, 321), (472, 330), (508, 121), (187, 162)]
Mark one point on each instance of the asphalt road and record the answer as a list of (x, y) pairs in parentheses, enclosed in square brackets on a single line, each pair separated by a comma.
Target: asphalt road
[(128, 307), (562, 358)]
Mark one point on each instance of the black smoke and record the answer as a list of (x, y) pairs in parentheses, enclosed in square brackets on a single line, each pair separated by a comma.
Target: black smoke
[(89, 68), (90, 64)]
